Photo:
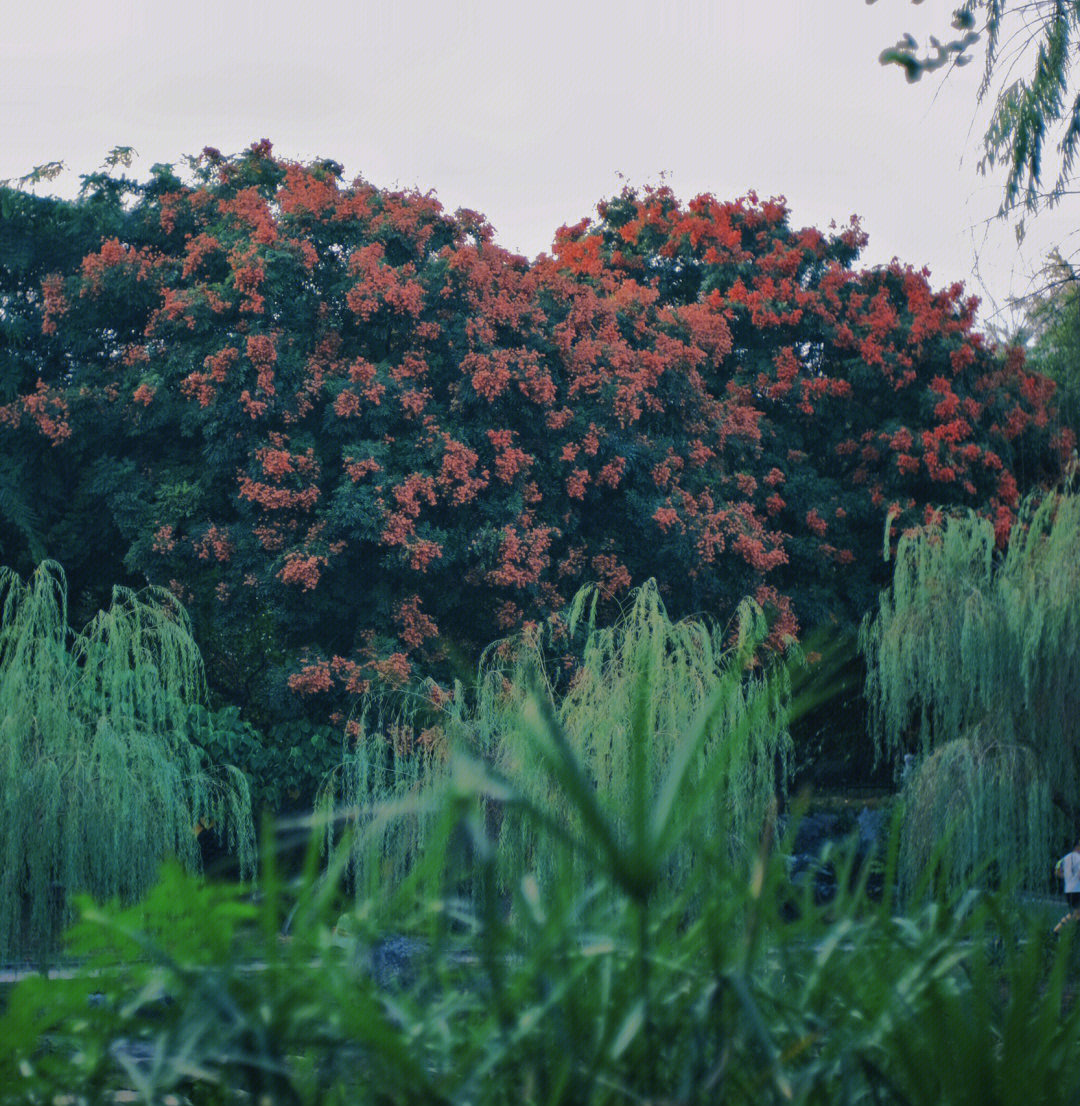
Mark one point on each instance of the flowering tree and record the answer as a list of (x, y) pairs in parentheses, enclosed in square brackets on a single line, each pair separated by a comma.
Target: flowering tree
[(361, 440)]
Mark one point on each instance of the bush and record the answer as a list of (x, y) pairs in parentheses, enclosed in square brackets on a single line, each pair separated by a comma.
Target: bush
[(561, 994), (285, 764)]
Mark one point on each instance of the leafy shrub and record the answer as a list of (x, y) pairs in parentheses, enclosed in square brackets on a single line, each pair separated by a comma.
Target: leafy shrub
[(285, 764)]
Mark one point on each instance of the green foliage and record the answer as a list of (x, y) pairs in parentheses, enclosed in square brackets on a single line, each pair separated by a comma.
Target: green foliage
[(260, 384), (285, 765), (560, 991), (16, 511), (655, 708), (1026, 109), (973, 656), (174, 979), (98, 778), (977, 810), (1051, 334)]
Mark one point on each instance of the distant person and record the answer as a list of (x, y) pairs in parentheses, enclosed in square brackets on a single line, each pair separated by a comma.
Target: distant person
[(1068, 869)]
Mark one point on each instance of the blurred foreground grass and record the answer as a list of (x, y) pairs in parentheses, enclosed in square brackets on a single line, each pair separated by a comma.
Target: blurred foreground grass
[(564, 918), (743, 989)]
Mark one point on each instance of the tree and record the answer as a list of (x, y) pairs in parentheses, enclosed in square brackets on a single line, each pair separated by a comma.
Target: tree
[(611, 745), (360, 440), (98, 779), (973, 668), (1050, 332), (40, 485), (1025, 110)]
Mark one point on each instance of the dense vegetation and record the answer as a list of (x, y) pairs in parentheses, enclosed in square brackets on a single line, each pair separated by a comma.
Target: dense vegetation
[(506, 567), (360, 441), (99, 780), (1050, 332), (972, 663), (646, 944), (656, 708)]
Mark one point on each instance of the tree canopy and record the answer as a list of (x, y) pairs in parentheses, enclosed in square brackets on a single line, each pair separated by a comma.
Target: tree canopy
[(360, 440), (1050, 334)]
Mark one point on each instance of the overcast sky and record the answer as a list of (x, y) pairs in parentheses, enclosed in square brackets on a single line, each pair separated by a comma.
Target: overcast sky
[(531, 113)]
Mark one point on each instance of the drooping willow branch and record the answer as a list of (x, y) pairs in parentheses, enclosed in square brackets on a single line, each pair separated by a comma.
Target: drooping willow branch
[(98, 778), (977, 646), (637, 689)]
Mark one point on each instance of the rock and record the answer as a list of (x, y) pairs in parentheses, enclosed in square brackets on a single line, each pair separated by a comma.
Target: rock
[(393, 960), (804, 867)]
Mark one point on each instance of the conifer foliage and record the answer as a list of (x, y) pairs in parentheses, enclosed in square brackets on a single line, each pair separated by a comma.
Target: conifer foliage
[(98, 780)]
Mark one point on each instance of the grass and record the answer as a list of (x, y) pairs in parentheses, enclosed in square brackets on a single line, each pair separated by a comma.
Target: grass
[(567, 937), (555, 996)]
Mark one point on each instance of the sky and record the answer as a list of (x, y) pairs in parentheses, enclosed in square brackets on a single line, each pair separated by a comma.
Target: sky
[(532, 113)]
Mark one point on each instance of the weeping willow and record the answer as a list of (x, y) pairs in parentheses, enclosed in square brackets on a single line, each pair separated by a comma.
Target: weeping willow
[(973, 663), (976, 809), (383, 794), (98, 780), (688, 664)]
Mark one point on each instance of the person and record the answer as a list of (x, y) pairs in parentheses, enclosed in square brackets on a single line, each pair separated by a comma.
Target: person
[(1068, 869)]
